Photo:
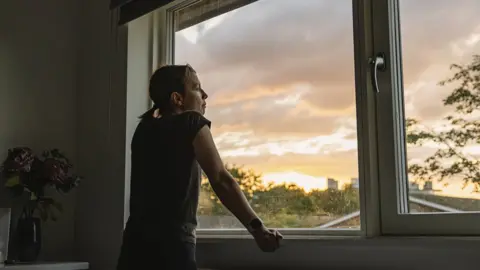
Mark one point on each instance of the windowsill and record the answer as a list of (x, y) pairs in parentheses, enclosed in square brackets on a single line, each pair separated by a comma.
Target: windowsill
[(221, 238), (341, 252), (213, 238), (289, 234), (50, 266)]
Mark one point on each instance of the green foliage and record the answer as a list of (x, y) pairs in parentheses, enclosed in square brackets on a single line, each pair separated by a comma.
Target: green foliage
[(249, 181), (287, 199), (461, 131), (286, 205), (339, 202)]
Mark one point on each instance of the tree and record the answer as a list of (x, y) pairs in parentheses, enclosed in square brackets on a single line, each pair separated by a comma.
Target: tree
[(284, 199), (338, 202), (461, 131), (282, 205), (248, 180)]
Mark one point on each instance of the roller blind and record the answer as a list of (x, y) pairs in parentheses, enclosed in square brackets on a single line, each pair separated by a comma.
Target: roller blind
[(192, 14), (205, 9), (133, 9)]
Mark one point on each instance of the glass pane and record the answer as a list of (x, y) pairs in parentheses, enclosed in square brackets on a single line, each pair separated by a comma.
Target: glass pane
[(442, 103), (280, 79)]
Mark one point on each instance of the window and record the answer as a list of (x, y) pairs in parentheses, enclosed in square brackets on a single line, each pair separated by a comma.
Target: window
[(435, 111), (282, 104), (442, 134), (333, 115)]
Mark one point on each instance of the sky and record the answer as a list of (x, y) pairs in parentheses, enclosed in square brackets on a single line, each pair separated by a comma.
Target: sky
[(280, 78)]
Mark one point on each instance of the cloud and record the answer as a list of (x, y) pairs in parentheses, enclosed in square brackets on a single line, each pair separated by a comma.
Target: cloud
[(285, 69), (429, 28), (271, 120), (251, 73), (435, 34), (279, 45)]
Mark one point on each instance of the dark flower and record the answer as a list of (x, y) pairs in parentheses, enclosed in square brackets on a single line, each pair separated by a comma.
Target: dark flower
[(19, 159), (55, 170), (26, 173)]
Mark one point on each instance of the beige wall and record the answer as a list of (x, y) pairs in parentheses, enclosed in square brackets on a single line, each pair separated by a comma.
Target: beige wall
[(38, 42), (63, 84), (101, 108)]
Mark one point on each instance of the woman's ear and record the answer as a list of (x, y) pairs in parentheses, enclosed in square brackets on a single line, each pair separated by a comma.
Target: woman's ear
[(176, 99)]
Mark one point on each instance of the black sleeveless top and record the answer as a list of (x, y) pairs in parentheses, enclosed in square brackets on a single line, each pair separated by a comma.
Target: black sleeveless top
[(165, 176)]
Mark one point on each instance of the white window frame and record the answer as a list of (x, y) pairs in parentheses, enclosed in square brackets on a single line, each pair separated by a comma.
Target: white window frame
[(366, 128), (391, 137)]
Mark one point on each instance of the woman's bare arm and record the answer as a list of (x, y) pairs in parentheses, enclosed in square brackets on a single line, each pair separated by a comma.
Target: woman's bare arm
[(224, 185)]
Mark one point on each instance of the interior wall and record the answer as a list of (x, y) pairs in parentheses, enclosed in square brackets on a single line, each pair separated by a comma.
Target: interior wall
[(106, 126), (101, 130), (38, 42), (63, 84)]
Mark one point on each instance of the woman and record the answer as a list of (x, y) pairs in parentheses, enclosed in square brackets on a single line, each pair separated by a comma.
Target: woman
[(171, 145)]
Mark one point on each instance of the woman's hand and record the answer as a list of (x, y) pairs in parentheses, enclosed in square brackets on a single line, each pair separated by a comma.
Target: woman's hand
[(267, 240)]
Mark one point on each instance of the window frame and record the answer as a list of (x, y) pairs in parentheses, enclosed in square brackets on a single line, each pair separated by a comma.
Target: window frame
[(395, 216), (164, 51)]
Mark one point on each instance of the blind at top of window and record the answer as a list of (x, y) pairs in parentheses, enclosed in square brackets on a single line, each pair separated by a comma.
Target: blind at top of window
[(203, 10)]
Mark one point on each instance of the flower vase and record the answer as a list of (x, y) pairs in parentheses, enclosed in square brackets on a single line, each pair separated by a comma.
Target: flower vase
[(29, 237)]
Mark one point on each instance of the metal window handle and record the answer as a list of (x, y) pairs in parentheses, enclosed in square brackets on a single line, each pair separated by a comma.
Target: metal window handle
[(378, 64)]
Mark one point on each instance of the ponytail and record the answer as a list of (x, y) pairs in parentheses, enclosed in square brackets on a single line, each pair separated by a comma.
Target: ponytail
[(149, 114)]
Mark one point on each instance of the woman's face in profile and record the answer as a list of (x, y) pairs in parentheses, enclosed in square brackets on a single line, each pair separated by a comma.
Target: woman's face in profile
[(195, 97)]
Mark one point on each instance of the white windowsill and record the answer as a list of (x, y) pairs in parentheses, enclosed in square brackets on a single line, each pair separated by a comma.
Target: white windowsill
[(343, 252), (50, 266), (427, 240), (222, 238)]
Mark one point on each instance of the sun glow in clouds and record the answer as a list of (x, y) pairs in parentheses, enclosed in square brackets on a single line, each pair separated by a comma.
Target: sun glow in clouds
[(306, 181), (294, 98)]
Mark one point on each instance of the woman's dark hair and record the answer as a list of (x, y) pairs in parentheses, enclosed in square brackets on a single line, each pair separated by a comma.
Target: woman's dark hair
[(165, 81)]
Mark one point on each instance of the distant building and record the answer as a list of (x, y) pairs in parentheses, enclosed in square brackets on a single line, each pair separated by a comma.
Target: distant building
[(332, 183), (412, 186), (355, 183), (428, 186)]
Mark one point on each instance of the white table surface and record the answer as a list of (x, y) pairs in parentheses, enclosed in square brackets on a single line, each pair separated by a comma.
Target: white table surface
[(49, 266)]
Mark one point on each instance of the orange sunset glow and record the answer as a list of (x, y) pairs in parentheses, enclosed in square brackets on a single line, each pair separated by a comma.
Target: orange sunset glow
[(281, 82)]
